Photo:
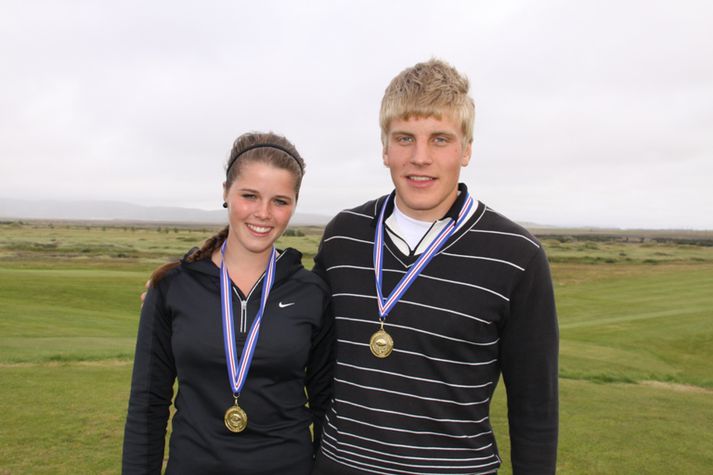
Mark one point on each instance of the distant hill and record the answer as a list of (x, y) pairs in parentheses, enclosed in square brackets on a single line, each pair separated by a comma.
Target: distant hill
[(120, 211)]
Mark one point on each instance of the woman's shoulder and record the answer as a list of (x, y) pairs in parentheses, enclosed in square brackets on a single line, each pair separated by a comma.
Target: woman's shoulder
[(309, 277), (292, 259), (167, 274)]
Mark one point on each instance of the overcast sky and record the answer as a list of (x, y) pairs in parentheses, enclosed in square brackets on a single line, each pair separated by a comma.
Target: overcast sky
[(587, 113)]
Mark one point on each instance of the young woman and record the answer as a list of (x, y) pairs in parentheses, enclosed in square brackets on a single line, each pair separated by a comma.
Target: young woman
[(243, 329)]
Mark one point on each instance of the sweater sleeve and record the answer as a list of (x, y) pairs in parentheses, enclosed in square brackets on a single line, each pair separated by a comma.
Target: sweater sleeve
[(529, 353), (320, 372), (151, 390)]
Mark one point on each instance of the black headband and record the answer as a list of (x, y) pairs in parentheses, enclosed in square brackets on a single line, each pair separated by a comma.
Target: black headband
[(266, 145)]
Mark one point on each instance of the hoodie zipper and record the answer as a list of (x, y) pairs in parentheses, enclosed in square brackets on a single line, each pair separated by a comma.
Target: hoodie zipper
[(244, 303), (243, 315), (242, 328)]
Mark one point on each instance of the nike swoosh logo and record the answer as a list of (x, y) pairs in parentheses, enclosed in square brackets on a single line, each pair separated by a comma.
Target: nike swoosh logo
[(283, 305)]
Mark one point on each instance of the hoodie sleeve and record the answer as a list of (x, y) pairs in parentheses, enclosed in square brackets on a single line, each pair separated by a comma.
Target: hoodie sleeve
[(320, 371), (151, 389)]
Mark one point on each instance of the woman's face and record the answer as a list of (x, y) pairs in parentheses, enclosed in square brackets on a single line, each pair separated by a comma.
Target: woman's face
[(261, 201)]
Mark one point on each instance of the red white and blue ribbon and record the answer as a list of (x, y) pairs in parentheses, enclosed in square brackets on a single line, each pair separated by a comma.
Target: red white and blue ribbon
[(238, 370), (386, 304)]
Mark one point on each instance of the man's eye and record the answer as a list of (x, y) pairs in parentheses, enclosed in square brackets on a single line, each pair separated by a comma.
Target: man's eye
[(404, 139), (441, 140)]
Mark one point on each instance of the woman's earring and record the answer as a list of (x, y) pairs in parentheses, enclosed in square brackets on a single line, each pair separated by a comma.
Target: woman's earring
[(225, 205)]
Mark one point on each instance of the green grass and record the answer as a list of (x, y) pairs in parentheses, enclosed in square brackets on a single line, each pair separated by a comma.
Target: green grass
[(68, 314), (636, 322), (63, 419), (76, 240), (617, 250), (625, 429), (657, 325)]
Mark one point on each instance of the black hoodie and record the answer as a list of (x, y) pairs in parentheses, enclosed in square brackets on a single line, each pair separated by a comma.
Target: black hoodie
[(181, 338)]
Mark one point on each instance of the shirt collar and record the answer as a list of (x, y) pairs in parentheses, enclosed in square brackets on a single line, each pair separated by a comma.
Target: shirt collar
[(452, 213)]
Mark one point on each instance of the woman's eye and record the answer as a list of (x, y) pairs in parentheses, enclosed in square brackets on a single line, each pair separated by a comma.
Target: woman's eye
[(280, 202), (248, 196)]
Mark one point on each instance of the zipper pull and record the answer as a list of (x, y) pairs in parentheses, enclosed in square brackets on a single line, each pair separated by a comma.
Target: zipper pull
[(243, 315)]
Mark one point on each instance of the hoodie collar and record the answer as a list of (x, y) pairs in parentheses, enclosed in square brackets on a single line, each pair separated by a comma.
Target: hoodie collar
[(288, 262)]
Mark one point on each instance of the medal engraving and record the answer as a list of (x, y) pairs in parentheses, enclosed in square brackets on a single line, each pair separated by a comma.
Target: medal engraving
[(235, 419), (381, 344)]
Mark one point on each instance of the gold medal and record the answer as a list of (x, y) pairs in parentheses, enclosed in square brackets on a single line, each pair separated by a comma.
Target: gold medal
[(235, 418), (381, 343)]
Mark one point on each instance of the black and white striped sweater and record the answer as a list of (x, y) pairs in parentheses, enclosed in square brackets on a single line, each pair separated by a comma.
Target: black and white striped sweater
[(483, 306)]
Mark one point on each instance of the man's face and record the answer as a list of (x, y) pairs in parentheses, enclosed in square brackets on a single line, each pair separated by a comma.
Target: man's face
[(425, 156)]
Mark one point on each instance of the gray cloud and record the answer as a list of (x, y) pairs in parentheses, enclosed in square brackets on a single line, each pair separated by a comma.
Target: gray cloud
[(588, 113)]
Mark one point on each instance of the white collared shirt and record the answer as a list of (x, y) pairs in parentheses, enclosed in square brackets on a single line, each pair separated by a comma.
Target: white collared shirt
[(412, 236)]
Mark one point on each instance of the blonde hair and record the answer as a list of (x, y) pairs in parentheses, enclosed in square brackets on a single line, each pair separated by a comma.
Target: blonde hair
[(430, 89)]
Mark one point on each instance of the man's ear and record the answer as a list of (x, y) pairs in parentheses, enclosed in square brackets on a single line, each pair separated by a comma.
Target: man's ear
[(467, 152)]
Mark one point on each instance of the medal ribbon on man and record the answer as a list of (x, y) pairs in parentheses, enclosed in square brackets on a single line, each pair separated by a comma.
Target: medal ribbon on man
[(235, 417), (381, 342)]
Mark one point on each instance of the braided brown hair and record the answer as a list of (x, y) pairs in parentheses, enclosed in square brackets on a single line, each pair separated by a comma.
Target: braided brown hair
[(269, 148), (204, 252)]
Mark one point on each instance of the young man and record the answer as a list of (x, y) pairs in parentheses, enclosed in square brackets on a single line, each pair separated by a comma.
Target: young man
[(435, 295)]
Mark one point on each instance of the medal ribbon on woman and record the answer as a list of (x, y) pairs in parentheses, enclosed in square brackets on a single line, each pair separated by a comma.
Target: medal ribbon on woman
[(381, 343), (236, 420)]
